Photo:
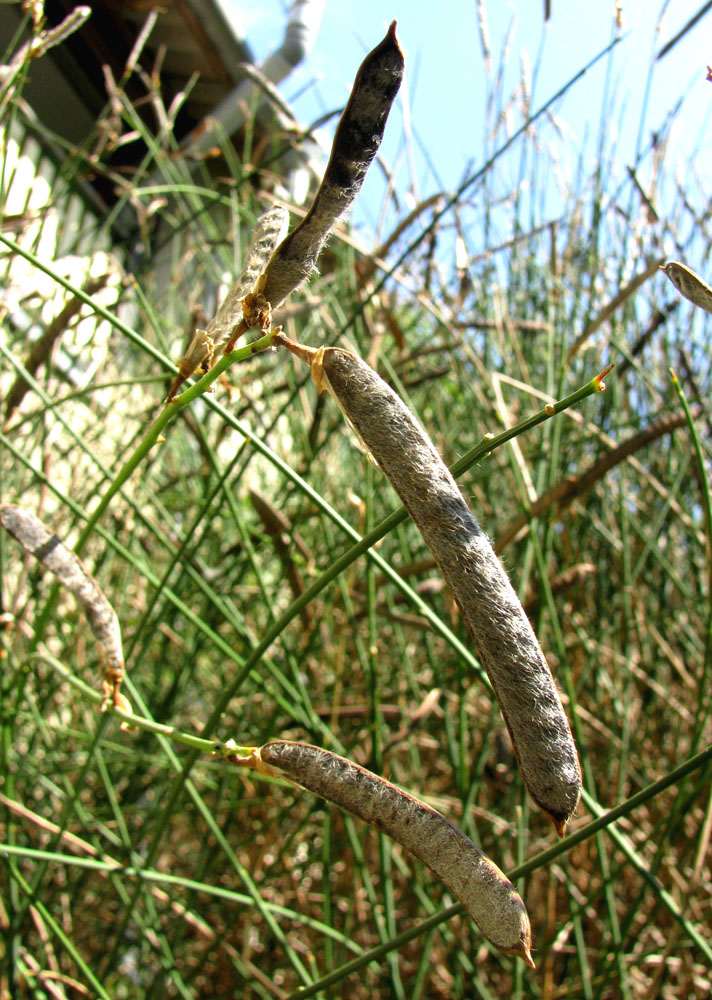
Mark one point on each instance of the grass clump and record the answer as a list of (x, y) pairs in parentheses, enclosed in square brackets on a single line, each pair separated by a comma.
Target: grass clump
[(135, 865)]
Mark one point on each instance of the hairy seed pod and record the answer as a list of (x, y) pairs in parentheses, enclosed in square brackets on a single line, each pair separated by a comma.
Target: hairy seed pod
[(356, 142), (36, 539), (486, 893), (503, 636), (689, 284), (270, 229), (241, 309)]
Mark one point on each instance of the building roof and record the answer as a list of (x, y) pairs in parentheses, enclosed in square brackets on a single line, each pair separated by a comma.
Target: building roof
[(191, 42)]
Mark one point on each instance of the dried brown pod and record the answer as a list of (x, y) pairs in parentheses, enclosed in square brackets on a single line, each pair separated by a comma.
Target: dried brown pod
[(502, 634), (356, 142), (689, 284), (231, 319), (486, 893), (269, 231), (36, 539)]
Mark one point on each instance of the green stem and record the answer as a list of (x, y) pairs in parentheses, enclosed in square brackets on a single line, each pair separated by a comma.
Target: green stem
[(58, 933), (705, 704), (604, 821), (132, 721), (155, 432), (167, 414), (481, 450)]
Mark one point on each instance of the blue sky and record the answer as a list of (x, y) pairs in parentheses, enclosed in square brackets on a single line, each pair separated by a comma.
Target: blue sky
[(447, 81)]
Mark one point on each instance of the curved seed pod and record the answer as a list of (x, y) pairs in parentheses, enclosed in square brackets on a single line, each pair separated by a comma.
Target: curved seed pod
[(689, 284), (504, 639), (486, 893), (356, 142), (36, 539)]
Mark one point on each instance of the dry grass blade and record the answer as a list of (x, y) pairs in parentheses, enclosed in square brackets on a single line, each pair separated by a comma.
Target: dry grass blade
[(565, 491), (669, 46), (281, 531), (616, 302)]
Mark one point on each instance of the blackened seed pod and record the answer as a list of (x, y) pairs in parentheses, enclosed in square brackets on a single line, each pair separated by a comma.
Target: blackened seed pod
[(356, 142), (502, 634), (68, 568), (488, 896)]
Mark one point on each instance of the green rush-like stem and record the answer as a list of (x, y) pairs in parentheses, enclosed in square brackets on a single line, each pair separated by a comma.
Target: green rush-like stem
[(129, 719), (56, 930), (106, 865), (230, 751), (169, 411), (167, 414), (624, 844), (167, 736), (481, 450), (707, 507)]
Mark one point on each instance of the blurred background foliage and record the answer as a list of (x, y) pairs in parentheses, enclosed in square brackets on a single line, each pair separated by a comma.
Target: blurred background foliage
[(130, 869)]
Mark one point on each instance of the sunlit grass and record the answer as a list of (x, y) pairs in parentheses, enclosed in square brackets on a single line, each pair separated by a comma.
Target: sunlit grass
[(250, 610)]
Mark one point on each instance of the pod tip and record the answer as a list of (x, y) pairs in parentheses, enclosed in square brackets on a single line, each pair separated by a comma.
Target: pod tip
[(522, 949), (525, 953), (560, 825)]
